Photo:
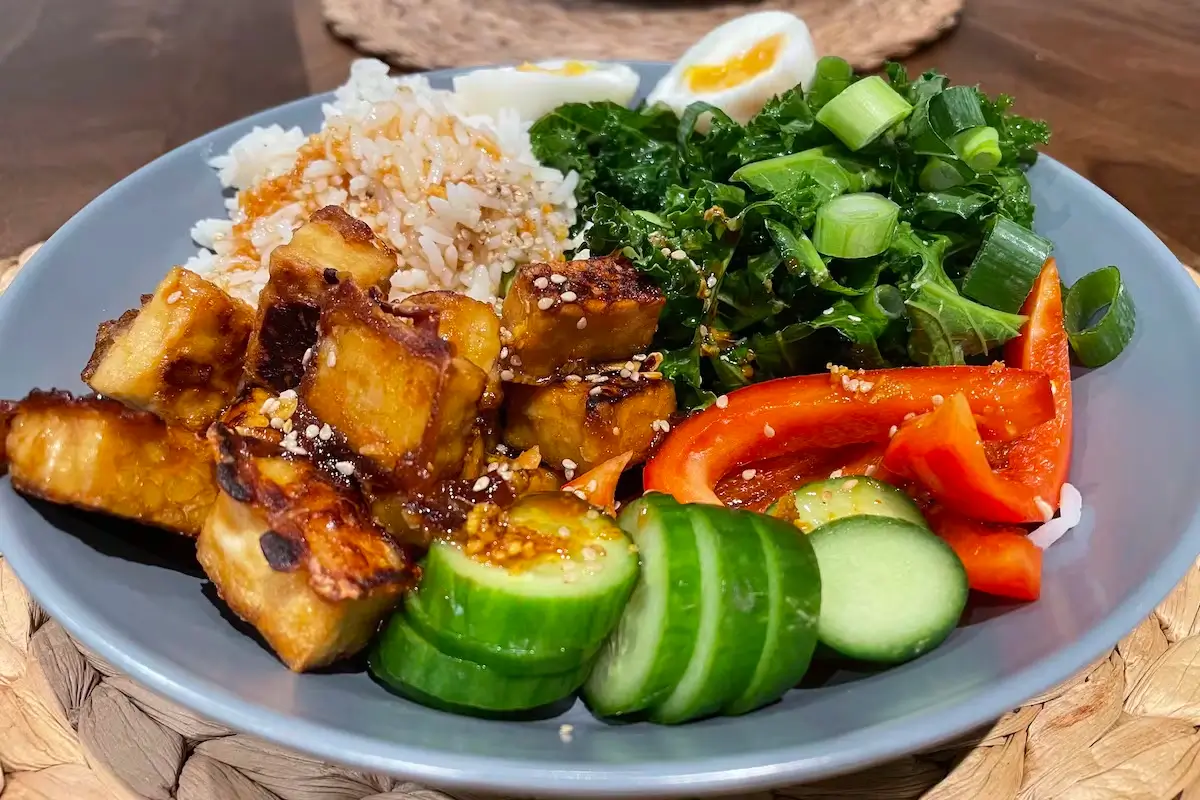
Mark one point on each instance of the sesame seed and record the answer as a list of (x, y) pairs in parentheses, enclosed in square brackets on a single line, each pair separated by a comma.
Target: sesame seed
[(850, 484), (345, 468), (504, 352), (827, 311), (722, 401), (892, 431), (577, 492), (564, 531), (666, 251), (625, 373), (515, 360), (666, 426), (748, 474), (331, 359), (569, 297), (592, 486), (768, 431), (629, 365), (307, 357), (582, 323), (289, 394), (565, 731), (937, 399), (507, 375), (909, 415), (678, 255), (558, 279), (837, 473), (481, 484), (595, 377), (541, 283), (870, 470), (572, 379), (311, 431), (569, 464), (269, 406), (592, 514), (640, 357), (545, 303), (712, 281), (171, 300), (616, 431), (492, 467), (326, 433), (277, 423), (595, 391), (853, 318)]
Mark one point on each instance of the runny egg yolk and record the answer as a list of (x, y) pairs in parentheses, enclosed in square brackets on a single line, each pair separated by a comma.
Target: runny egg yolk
[(570, 69), (736, 70)]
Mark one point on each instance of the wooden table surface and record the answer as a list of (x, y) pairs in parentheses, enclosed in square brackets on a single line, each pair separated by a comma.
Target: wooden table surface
[(92, 89)]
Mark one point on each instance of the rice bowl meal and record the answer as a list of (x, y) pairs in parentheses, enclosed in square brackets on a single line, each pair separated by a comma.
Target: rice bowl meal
[(528, 393)]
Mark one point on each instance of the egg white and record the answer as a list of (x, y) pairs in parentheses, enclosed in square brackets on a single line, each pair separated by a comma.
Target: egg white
[(534, 93), (795, 62)]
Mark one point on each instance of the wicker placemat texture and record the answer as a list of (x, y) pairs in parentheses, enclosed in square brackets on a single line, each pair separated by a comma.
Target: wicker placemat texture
[(73, 728), (448, 33)]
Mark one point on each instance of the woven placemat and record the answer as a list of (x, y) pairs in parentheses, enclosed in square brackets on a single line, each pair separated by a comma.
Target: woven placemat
[(449, 33), (73, 728)]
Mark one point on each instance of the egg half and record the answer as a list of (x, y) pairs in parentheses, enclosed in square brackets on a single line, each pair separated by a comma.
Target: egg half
[(741, 64), (533, 90)]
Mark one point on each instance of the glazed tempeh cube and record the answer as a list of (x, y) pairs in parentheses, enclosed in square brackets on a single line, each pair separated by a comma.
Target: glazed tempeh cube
[(393, 388), (574, 312), (179, 356), (470, 326), (331, 245), (587, 423), (296, 556), (8, 410), (99, 455)]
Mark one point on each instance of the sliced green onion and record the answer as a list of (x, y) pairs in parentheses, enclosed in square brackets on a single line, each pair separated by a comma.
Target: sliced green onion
[(863, 111), (979, 147), (938, 175), (1099, 293), (1007, 264), (506, 281), (831, 78), (855, 225), (954, 110)]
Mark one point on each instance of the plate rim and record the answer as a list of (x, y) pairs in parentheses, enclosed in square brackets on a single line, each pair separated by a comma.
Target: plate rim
[(764, 769)]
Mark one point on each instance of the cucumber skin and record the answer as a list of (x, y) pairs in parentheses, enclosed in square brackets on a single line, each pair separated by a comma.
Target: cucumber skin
[(679, 573), (796, 605), (936, 632), (411, 665), (485, 610), (866, 496), (508, 661), (736, 571)]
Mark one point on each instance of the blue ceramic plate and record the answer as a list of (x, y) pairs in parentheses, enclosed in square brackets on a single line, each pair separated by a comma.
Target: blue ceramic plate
[(125, 596)]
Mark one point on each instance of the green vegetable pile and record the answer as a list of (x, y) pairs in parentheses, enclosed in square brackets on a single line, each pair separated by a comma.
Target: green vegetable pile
[(865, 222)]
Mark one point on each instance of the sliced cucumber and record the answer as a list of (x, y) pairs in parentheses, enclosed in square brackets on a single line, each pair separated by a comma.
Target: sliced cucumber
[(501, 659), (734, 616), (821, 502), (795, 603), (413, 666), (562, 595), (650, 649), (890, 589)]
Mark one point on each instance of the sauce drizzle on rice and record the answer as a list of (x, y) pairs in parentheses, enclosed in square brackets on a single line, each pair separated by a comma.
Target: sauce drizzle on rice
[(461, 199)]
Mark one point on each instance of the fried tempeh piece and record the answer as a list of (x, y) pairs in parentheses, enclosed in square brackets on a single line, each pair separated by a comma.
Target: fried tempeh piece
[(574, 312), (393, 388), (588, 423), (179, 356), (99, 455), (331, 245), (8, 409), (470, 326), (296, 556)]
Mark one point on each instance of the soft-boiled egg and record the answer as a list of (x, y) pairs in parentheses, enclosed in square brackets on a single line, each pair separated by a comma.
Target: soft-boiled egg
[(533, 90), (741, 64)]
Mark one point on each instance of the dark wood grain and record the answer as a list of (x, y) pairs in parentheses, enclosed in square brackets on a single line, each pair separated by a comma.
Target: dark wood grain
[(89, 91)]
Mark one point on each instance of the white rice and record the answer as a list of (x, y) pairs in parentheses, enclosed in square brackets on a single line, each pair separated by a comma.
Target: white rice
[(461, 198)]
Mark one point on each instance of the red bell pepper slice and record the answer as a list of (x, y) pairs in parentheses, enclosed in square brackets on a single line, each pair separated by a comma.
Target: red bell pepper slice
[(999, 559), (943, 450), (787, 415), (599, 484), (1024, 477)]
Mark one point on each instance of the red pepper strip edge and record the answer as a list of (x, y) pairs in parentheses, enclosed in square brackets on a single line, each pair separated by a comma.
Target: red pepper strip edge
[(770, 419), (999, 559)]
